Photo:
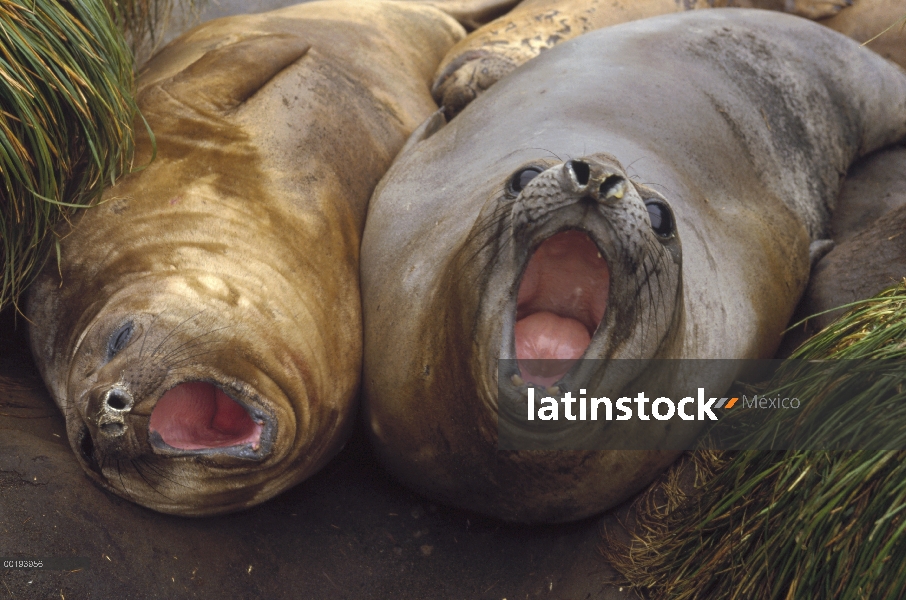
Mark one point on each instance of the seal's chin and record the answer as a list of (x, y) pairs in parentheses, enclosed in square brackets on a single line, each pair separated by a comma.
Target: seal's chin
[(561, 301), (199, 416)]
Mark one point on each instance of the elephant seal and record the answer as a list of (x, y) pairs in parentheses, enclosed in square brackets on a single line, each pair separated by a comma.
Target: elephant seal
[(203, 335), (670, 176), (867, 19), (497, 48)]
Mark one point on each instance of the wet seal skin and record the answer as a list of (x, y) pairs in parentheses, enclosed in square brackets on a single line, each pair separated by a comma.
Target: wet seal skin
[(496, 49), (203, 334), (650, 190)]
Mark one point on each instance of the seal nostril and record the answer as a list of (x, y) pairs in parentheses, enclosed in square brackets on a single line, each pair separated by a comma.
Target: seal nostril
[(117, 400), (581, 170), (113, 429), (612, 187)]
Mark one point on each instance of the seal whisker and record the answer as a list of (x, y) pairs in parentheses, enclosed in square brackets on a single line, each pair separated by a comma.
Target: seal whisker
[(124, 489), (551, 152), (180, 352), (485, 229), (186, 346), (657, 297), (154, 488), (143, 477), (186, 359), (147, 334), (174, 330)]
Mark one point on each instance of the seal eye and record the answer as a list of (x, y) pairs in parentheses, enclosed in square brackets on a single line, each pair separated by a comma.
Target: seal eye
[(522, 178), (661, 218), (119, 339)]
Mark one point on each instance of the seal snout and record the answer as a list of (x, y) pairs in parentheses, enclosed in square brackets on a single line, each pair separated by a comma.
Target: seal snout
[(563, 294), (108, 429), (604, 187), (585, 182)]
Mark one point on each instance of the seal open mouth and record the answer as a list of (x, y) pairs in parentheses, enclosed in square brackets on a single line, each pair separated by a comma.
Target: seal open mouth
[(198, 416), (562, 299)]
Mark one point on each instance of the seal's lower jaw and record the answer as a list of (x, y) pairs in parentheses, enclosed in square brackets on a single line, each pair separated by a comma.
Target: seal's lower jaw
[(199, 416), (561, 301)]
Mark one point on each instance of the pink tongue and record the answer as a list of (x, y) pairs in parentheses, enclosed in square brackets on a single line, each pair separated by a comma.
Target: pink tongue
[(545, 335), (198, 415), (561, 301)]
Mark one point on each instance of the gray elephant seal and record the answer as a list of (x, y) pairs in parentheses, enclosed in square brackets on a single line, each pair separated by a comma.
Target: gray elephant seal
[(204, 341), (649, 190)]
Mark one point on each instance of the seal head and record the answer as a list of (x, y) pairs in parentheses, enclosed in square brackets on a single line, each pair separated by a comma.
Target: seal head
[(585, 243)]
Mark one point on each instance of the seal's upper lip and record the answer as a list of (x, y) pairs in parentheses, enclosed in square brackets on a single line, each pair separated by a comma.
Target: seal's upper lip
[(561, 301)]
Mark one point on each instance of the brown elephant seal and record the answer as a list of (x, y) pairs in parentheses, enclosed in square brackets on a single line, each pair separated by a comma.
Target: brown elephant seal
[(204, 340), (877, 22), (670, 173), (497, 48)]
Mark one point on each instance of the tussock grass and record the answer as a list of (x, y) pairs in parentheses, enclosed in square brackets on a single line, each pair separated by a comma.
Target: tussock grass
[(66, 118), (797, 524)]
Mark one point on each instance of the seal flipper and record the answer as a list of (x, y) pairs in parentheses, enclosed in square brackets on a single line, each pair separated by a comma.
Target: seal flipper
[(818, 249), (816, 9), (232, 74), (429, 127), (472, 14)]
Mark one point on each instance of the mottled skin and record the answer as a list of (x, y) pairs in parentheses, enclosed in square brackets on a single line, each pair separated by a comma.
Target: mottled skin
[(743, 122), (494, 50), (232, 259)]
